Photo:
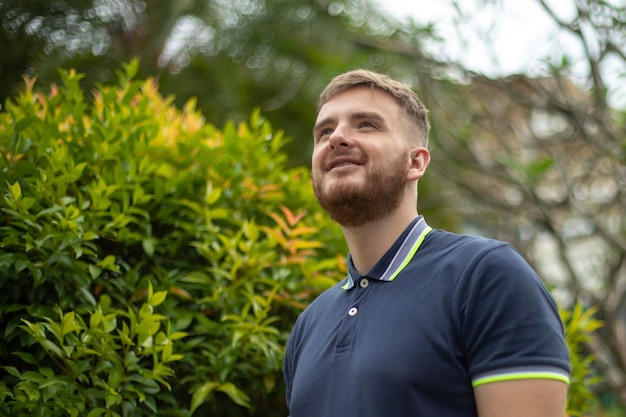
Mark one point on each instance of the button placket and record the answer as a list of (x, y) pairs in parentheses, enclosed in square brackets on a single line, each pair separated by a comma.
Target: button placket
[(349, 324)]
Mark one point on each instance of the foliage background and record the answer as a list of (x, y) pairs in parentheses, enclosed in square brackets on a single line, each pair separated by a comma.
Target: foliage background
[(534, 160)]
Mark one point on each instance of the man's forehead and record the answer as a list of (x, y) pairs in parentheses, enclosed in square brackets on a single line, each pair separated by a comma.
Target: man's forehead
[(358, 100)]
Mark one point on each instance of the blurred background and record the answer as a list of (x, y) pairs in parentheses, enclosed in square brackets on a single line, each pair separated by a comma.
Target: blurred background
[(527, 101)]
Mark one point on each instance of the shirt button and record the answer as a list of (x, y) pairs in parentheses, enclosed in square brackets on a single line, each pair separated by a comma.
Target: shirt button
[(364, 283), (353, 311)]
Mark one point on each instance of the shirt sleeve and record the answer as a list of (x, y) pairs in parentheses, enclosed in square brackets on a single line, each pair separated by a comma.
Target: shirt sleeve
[(509, 323)]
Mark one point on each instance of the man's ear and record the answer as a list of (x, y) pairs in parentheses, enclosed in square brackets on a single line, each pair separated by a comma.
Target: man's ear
[(420, 158)]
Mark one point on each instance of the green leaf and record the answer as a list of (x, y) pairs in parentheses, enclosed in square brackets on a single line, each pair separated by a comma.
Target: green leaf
[(124, 335), (235, 394), (33, 376), (157, 298), (51, 382), (114, 378), (12, 371), (97, 412), (95, 319), (110, 323), (26, 357), (51, 347), (16, 191), (87, 295), (212, 194), (146, 309), (70, 324), (251, 231), (131, 68), (28, 202), (148, 246), (24, 123), (94, 271), (112, 398), (166, 353), (201, 394)]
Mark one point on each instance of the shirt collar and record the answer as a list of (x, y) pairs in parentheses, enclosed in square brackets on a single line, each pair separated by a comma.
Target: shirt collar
[(396, 258)]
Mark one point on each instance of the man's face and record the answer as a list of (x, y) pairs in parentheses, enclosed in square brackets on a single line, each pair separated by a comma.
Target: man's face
[(360, 156)]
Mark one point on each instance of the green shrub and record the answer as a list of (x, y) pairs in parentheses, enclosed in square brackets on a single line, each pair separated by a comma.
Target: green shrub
[(579, 325), (100, 364), (103, 199)]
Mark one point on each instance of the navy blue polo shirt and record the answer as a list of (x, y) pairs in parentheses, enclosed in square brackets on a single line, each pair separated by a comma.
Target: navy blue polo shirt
[(438, 315)]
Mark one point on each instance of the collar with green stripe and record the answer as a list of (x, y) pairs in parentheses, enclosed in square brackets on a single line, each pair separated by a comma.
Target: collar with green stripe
[(396, 258)]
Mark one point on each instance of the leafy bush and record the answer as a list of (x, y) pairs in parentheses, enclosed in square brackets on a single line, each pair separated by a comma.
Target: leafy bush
[(151, 264), (104, 199), (100, 361), (579, 325)]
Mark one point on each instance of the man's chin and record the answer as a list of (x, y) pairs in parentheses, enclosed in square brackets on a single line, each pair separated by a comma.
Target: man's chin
[(344, 192), (343, 182)]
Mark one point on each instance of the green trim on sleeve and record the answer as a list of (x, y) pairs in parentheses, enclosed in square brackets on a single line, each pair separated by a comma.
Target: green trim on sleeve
[(520, 376)]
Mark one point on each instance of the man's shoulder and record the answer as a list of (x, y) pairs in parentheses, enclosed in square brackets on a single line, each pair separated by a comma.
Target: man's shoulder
[(469, 255), (439, 239)]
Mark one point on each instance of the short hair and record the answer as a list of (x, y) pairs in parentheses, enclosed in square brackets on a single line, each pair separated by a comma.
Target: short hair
[(406, 98)]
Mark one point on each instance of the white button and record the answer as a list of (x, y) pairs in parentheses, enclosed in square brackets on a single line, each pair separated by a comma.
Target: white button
[(353, 311), (364, 283)]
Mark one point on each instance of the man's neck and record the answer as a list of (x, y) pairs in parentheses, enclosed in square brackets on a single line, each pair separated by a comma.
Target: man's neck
[(369, 242)]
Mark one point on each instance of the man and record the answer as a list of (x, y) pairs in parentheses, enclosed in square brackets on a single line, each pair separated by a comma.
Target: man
[(427, 323)]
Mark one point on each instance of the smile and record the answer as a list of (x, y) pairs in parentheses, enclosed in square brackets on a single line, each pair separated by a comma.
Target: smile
[(342, 163)]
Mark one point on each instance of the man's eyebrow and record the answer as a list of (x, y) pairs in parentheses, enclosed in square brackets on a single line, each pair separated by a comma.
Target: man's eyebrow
[(368, 115), (322, 123), (354, 116)]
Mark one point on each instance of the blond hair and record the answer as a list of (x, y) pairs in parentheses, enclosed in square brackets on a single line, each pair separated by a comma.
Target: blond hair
[(401, 93)]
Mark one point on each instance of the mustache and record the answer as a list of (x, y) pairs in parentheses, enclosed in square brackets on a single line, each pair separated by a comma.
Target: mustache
[(333, 156)]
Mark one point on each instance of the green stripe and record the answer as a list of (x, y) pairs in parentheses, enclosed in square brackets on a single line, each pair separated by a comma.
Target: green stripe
[(414, 249), (518, 376)]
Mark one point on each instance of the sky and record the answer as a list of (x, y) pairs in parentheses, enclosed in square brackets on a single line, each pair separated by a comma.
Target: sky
[(506, 38)]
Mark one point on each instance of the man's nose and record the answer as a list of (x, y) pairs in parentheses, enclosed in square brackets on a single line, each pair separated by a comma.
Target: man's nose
[(339, 138)]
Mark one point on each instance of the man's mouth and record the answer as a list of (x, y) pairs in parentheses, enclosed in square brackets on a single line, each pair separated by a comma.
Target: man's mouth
[(342, 162)]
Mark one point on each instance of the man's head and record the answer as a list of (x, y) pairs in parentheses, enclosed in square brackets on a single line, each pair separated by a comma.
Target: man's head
[(418, 125), (369, 148)]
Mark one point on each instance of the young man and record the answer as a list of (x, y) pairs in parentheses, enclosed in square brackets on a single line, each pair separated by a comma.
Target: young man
[(427, 323)]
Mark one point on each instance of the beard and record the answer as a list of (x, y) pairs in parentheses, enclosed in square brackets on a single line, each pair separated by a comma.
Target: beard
[(352, 204)]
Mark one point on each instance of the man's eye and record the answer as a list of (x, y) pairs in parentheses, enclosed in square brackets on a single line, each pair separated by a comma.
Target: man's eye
[(367, 124), (321, 134)]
